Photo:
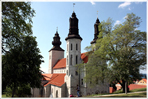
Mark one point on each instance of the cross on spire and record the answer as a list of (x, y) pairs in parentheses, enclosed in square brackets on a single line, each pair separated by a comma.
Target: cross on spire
[(73, 6), (97, 14)]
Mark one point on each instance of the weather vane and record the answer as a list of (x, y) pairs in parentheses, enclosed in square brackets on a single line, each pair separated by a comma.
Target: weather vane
[(73, 6), (97, 14), (57, 28)]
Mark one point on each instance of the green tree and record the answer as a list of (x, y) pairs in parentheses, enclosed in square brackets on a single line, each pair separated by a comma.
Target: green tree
[(122, 48), (21, 66), (16, 22), (21, 58)]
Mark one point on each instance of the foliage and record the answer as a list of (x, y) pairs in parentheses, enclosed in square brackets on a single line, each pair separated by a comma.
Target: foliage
[(22, 91), (21, 66), (16, 22), (122, 48), (21, 58)]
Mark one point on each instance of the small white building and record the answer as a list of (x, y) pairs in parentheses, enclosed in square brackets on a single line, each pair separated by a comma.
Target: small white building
[(63, 77)]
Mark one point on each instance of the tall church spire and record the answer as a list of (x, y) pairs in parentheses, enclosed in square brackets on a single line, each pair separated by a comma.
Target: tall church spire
[(96, 30), (73, 30), (56, 42)]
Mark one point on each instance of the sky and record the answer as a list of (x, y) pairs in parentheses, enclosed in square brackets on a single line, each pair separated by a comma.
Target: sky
[(50, 15)]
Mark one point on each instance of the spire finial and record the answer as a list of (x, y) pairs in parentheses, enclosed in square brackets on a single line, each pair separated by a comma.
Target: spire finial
[(97, 14), (73, 6), (57, 29)]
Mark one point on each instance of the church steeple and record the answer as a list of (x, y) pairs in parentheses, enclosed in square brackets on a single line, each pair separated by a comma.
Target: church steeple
[(96, 31), (73, 30), (56, 42)]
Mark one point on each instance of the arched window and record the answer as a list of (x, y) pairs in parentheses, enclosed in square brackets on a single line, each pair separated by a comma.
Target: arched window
[(76, 59), (76, 46), (67, 47), (67, 72), (71, 60), (71, 46), (57, 94)]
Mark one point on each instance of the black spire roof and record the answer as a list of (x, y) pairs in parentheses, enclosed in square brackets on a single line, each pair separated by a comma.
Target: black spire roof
[(73, 30), (56, 42), (96, 31)]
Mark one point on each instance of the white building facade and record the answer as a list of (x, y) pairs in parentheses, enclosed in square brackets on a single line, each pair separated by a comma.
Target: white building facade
[(63, 78)]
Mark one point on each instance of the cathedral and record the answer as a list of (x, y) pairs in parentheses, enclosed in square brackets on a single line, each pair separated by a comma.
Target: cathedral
[(63, 78)]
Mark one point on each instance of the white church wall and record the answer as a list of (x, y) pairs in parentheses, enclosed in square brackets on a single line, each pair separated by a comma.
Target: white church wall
[(56, 91), (82, 83), (61, 70), (35, 92), (47, 90), (54, 56)]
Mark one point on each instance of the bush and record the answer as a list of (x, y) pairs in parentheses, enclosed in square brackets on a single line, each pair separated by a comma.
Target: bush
[(22, 91)]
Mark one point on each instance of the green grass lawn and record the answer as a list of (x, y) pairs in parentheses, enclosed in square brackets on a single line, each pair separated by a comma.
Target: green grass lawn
[(141, 89), (123, 95), (143, 94), (4, 96), (134, 90)]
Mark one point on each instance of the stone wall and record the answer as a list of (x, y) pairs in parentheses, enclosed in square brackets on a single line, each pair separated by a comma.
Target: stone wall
[(54, 56)]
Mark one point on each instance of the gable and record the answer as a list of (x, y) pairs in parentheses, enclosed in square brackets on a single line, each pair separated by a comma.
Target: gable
[(56, 79), (62, 62), (47, 76)]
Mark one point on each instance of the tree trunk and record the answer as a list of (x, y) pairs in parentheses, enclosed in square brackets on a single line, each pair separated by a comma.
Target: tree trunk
[(125, 89), (13, 92)]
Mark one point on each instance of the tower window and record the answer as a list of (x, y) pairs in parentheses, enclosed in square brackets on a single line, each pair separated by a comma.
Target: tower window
[(76, 73), (71, 46), (67, 72), (76, 59), (81, 81), (67, 47), (71, 60), (76, 46)]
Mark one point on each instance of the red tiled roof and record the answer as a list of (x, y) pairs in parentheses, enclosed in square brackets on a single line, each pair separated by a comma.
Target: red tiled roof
[(84, 57), (62, 62), (47, 76), (145, 80), (57, 79)]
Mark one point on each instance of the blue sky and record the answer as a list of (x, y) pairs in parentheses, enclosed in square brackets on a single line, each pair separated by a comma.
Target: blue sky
[(50, 15)]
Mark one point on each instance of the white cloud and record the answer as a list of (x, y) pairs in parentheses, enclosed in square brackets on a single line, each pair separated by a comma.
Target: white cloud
[(117, 22), (138, 2), (123, 5), (136, 29), (125, 17), (92, 2), (129, 8)]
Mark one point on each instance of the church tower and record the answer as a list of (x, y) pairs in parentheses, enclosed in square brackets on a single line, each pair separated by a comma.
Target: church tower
[(96, 28), (56, 52), (73, 55)]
